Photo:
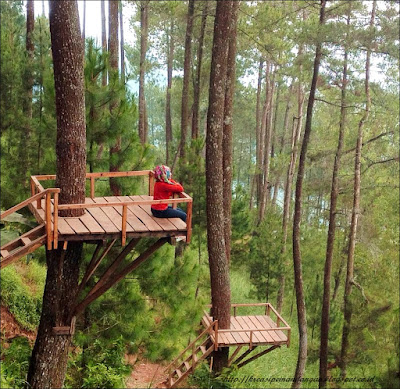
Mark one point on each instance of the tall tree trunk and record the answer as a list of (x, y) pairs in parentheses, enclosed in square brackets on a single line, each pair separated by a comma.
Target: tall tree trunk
[(298, 276), (228, 128), (196, 91), (256, 184), (186, 78), (168, 116), (27, 99), (356, 209), (266, 155), (122, 42), (219, 270), (103, 40), (113, 55), (323, 354), (287, 198), (49, 357), (143, 125)]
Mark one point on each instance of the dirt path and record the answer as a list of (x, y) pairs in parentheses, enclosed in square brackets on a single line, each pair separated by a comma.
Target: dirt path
[(10, 328), (145, 374)]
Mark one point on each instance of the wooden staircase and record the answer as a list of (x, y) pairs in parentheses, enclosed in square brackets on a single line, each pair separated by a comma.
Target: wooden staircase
[(191, 356), (23, 245), (32, 239)]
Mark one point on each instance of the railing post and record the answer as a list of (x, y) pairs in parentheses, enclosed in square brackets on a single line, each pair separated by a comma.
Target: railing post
[(189, 221), (268, 310), (92, 187), (33, 188), (55, 222), (234, 311), (124, 217), (151, 184), (48, 220)]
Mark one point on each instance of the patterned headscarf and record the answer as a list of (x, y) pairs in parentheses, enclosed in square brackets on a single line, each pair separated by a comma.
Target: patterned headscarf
[(163, 173)]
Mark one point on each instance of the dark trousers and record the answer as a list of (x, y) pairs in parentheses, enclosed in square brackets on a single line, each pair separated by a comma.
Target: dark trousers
[(169, 212)]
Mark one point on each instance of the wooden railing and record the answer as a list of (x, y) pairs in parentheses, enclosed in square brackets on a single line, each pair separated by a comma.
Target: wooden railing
[(51, 228), (268, 309), (37, 188)]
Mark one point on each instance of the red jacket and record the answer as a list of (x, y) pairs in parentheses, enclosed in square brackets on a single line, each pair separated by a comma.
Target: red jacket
[(162, 190)]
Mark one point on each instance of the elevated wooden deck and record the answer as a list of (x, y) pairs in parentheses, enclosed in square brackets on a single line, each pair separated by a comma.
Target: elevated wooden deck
[(105, 218), (251, 330)]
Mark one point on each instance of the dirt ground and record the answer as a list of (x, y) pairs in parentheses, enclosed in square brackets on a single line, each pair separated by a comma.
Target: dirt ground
[(145, 374), (11, 329)]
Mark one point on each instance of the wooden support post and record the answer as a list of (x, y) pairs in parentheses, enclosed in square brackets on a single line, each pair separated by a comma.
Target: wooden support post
[(189, 222), (234, 355), (48, 221), (111, 282), (254, 357), (216, 335), (113, 267), (124, 217), (234, 311), (92, 187), (151, 183), (55, 221), (65, 245), (33, 187)]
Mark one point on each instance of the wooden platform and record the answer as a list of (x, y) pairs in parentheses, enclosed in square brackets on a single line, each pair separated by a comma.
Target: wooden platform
[(106, 222), (252, 330)]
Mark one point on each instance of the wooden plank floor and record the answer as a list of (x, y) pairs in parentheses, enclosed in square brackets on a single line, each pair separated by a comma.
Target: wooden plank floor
[(106, 222), (246, 323)]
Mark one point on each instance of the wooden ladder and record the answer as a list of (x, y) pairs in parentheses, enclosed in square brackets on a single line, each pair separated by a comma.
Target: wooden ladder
[(189, 358), (23, 245)]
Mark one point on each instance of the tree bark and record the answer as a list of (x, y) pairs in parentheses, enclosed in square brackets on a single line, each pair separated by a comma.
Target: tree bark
[(219, 270), (355, 210), (197, 86), (113, 56), (186, 78), (168, 116), (228, 129), (298, 276), (323, 354), (49, 356), (143, 125)]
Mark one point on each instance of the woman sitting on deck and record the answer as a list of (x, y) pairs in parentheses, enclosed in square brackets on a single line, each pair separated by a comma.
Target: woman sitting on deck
[(164, 187)]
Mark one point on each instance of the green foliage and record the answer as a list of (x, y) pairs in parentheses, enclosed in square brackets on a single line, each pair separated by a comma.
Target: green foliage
[(23, 301), (104, 366), (15, 361), (202, 378)]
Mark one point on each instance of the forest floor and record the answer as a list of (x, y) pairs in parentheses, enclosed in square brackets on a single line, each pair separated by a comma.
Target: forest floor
[(145, 374), (10, 328)]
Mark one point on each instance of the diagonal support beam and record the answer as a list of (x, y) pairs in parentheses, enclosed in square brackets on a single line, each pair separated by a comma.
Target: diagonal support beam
[(118, 277), (94, 263), (114, 266), (254, 357), (245, 354), (238, 348)]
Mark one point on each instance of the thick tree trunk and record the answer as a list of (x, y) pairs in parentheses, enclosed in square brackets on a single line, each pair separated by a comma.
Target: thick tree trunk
[(113, 57), (122, 42), (323, 354), (355, 211), (50, 353), (197, 89), (219, 270), (228, 128), (186, 78), (143, 126), (298, 276), (168, 116)]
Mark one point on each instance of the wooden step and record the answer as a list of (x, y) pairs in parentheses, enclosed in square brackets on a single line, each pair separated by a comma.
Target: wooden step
[(179, 373), (187, 366), (4, 253), (203, 349), (26, 241)]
